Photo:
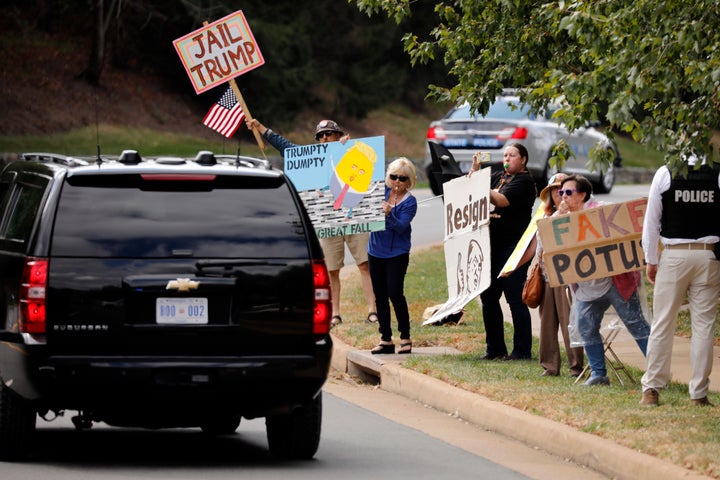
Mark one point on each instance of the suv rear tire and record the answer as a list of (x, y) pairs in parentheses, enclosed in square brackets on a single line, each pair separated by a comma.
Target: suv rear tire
[(17, 425), (296, 435)]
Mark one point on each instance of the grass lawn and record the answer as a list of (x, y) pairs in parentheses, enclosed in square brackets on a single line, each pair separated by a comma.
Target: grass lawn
[(675, 431)]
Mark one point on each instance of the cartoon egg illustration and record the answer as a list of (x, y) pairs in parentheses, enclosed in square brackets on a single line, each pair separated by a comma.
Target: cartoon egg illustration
[(352, 176)]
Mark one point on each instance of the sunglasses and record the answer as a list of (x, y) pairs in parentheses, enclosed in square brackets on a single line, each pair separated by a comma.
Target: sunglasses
[(328, 133), (402, 178), (567, 192)]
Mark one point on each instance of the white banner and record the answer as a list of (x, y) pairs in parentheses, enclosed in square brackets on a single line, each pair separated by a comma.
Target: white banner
[(467, 241)]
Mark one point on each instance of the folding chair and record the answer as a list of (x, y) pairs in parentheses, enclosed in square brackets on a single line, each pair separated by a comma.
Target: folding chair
[(611, 358)]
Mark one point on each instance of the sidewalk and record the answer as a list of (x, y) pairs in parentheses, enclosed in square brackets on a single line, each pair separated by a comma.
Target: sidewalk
[(629, 354), (601, 455)]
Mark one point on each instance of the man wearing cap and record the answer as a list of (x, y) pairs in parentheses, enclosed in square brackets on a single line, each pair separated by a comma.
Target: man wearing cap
[(682, 214), (333, 247)]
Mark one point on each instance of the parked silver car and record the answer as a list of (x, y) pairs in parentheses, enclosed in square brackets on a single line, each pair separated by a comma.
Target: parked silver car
[(508, 121)]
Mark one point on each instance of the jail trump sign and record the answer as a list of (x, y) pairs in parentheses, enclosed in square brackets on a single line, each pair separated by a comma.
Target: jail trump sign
[(218, 52), (593, 243)]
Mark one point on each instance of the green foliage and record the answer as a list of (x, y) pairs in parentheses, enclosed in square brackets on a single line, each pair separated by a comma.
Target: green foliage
[(324, 55), (83, 142), (651, 68)]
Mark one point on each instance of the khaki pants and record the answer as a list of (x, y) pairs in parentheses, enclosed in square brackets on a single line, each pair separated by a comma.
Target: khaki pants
[(555, 314), (680, 272)]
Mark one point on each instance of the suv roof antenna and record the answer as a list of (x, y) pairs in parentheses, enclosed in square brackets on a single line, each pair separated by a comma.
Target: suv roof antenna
[(237, 156), (97, 125)]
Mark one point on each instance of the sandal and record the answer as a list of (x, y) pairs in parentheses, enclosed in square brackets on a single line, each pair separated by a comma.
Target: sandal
[(336, 320), (405, 346), (383, 348), (372, 318)]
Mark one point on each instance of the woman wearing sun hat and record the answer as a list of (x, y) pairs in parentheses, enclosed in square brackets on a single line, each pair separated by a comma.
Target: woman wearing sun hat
[(554, 307)]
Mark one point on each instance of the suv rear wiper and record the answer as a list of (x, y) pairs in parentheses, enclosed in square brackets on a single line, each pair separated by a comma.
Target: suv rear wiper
[(229, 266)]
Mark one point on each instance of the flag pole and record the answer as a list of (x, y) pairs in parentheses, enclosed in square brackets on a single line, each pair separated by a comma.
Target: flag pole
[(242, 103)]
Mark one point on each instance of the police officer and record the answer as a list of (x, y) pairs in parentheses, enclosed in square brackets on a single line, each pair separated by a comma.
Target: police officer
[(682, 214)]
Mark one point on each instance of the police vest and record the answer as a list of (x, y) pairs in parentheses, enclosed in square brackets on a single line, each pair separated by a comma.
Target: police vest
[(691, 206)]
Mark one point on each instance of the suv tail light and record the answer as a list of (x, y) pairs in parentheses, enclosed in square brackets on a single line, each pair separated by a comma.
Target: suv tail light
[(322, 309), (510, 133), (437, 133), (32, 296)]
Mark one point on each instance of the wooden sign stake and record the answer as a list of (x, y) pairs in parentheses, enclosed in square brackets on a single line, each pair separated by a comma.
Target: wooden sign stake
[(240, 99), (242, 103)]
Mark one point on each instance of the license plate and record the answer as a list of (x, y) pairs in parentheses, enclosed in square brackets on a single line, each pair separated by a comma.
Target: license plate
[(181, 311), (486, 142), (455, 142)]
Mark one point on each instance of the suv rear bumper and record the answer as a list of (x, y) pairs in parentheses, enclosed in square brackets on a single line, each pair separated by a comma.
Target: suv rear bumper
[(171, 388)]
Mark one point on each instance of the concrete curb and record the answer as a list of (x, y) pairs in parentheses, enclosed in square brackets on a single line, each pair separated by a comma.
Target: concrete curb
[(582, 448)]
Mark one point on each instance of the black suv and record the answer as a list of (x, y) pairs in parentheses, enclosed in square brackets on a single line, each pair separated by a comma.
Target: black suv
[(160, 293)]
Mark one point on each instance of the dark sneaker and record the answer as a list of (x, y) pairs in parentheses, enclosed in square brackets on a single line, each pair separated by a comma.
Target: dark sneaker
[(596, 380)]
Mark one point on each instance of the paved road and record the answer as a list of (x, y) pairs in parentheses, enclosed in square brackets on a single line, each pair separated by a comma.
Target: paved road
[(367, 433)]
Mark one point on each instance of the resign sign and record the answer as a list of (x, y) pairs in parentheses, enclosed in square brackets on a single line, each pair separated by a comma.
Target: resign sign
[(218, 52), (594, 243)]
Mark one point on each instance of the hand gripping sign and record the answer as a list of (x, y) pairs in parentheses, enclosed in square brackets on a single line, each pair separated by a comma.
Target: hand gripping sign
[(218, 52)]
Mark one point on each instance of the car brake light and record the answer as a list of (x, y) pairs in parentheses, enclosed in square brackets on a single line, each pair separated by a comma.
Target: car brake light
[(437, 133), (322, 308), (32, 296), (177, 177), (516, 133)]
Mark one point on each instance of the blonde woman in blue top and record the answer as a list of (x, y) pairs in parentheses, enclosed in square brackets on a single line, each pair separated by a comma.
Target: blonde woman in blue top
[(389, 255)]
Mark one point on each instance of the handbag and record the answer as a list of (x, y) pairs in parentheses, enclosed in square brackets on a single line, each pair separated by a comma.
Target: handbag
[(533, 289)]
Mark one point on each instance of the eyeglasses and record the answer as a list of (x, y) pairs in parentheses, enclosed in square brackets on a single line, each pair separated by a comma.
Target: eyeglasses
[(567, 192), (402, 178), (328, 133)]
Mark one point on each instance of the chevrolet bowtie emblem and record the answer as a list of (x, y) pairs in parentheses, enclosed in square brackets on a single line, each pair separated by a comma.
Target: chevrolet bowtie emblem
[(182, 285)]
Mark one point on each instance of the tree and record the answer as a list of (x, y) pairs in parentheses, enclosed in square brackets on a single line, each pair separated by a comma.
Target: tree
[(651, 68)]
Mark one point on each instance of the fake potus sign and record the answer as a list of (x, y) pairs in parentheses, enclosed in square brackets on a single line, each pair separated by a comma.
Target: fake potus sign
[(218, 52), (467, 241), (593, 243)]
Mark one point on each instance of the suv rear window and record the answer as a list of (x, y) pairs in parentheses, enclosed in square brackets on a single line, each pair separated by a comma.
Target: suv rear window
[(213, 217), (22, 203)]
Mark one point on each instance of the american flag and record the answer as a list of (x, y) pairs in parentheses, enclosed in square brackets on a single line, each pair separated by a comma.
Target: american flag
[(226, 115)]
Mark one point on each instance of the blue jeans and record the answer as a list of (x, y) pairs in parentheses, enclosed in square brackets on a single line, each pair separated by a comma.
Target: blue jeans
[(590, 315)]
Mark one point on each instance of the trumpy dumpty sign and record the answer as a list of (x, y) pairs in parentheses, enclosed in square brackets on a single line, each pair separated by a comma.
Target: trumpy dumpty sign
[(341, 184), (218, 52), (593, 243)]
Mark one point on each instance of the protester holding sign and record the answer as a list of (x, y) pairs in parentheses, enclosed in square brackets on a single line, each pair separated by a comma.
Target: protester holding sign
[(592, 298), (555, 306), (682, 213), (512, 194), (333, 246), (389, 255)]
